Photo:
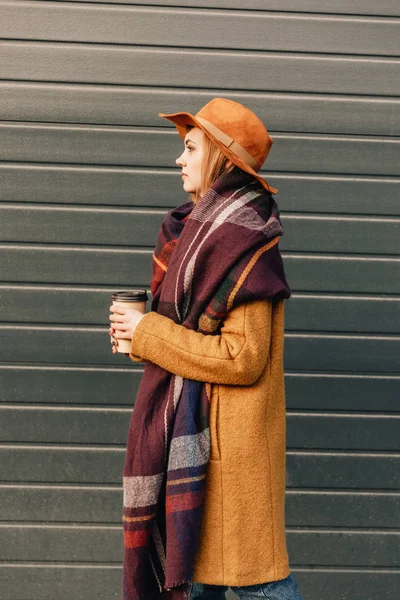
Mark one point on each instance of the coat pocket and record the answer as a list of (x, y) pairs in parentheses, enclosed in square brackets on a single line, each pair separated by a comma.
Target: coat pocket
[(215, 453)]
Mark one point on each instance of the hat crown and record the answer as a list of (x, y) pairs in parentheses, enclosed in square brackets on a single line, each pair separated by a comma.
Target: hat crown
[(239, 123)]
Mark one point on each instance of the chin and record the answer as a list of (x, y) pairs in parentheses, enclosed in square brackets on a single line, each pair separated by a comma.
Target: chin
[(188, 188)]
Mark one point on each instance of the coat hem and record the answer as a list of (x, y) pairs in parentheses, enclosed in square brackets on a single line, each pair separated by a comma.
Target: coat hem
[(273, 574)]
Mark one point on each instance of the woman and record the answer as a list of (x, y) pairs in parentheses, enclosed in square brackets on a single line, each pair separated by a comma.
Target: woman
[(204, 476)]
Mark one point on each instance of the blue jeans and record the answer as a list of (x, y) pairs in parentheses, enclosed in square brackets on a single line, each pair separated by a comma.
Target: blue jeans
[(285, 589)]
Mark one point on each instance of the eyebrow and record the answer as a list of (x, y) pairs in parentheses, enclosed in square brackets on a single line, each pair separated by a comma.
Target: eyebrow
[(191, 141)]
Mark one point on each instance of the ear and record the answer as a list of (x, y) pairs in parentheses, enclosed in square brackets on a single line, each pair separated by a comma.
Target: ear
[(229, 164)]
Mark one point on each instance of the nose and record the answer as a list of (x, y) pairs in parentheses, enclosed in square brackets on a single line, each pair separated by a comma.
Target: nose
[(179, 161)]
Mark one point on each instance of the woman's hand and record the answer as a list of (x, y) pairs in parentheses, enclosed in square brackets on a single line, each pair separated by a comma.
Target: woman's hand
[(123, 324)]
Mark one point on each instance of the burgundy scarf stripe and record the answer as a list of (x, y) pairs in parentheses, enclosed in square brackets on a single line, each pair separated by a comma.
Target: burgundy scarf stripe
[(209, 257)]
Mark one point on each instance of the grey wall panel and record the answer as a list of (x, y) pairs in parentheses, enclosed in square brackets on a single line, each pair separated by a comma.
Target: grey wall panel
[(341, 352), (62, 543), (357, 7), (304, 312), (120, 266), (74, 264), (48, 581), (117, 385), (130, 187), (344, 548), (63, 304), (330, 508), (112, 105), (95, 185), (59, 344), (125, 146), (364, 392), (349, 584), (346, 469), (54, 224), (114, 385), (262, 71), (314, 273), (359, 314), (104, 465), (135, 227), (318, 193), (308, 351), (77, 504), (65, 426), (77, 425), (103, 544), (225, 29), (61, 464), (356, 235), (103, 504), (338, 431)]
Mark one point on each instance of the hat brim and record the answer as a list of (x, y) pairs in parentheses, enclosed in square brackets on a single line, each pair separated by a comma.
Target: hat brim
[(181, 119)]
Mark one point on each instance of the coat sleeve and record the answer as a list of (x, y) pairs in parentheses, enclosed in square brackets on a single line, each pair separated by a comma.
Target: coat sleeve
[(236, 356)]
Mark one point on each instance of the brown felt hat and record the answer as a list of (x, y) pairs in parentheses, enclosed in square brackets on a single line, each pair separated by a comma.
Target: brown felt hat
[(235, 129)]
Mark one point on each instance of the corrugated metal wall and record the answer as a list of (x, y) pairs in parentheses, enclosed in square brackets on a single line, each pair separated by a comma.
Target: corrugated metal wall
[(86, 174)]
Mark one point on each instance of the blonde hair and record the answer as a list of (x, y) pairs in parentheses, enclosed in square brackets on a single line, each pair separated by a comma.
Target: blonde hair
[(212, 166)]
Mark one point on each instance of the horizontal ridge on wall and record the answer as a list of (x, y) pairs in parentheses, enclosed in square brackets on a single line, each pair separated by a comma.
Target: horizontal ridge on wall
[(63, 579), (128, 186), (75, 304), (28, 223), (102, 504), (326, 430), (139, 65), (79, 464), (118, 384), (112, 104), (357, 7), (360, 353), (204, 28), (60, 542), (159, 147), (34, 263)]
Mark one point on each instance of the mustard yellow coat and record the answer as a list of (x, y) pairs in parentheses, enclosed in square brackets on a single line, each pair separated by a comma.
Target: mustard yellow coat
[(242, 539)]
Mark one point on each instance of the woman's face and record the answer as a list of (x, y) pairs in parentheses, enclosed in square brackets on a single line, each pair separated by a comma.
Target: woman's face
[(191, 159)]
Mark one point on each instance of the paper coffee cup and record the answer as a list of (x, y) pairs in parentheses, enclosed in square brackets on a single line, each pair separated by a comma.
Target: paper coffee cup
[(130, 299)]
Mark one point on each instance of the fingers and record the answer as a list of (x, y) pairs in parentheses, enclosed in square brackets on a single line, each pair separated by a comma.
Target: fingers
[(113, 340), (119, 331), (117, 334), (121, 310), (119, 326), (118, 318), (114, 331)]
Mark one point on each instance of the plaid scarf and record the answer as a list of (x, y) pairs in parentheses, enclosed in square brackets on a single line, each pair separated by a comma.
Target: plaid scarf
[(209, 258)]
